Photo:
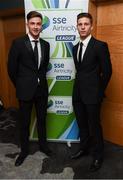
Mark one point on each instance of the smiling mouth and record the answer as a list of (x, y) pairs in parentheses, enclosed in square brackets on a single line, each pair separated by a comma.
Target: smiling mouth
[(35, 31)]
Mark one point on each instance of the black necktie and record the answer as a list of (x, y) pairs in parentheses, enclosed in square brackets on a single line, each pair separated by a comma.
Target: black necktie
[(80, 53), (36, 51)]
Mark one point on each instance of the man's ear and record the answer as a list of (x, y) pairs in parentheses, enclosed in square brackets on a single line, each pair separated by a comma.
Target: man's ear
[(91, 27)]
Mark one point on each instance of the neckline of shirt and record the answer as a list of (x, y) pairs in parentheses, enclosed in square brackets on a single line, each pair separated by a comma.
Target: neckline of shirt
[(32, 39), (85, 41)]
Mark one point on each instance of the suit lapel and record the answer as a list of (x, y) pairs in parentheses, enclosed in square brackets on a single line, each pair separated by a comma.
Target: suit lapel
[(28, 45), (89, 49), (76, 49), (42, 51), (30, 50)]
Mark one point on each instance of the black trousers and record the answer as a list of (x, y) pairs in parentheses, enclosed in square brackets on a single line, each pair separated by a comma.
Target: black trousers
[(88, 119), (40, 103)]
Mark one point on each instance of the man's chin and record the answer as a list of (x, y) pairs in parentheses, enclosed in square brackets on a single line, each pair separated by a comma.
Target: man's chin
[(35, 35)]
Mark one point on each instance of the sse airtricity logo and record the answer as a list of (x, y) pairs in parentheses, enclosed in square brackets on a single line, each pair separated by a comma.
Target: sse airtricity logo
[(46, 22), (50, 103), (49, 67)]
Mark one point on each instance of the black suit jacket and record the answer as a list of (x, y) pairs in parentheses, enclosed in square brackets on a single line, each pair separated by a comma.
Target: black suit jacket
[(23, 70), (94, 73)]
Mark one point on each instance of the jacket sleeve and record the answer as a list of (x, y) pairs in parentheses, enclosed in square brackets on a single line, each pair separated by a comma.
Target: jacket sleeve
[(48, 54), (105, 65), (13, 62)]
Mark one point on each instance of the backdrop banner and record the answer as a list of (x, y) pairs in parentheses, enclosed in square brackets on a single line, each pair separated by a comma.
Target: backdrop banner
[(59, 29)]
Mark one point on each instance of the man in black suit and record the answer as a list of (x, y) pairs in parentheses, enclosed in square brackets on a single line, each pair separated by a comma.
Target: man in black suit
[(27, 66), (93, 72)]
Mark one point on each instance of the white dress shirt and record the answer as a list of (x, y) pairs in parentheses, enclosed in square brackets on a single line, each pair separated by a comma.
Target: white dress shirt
[(38, 45), (85, 44)]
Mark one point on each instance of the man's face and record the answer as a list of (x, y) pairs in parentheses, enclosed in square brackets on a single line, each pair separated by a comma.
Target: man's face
[(84, 27), (34, 26)]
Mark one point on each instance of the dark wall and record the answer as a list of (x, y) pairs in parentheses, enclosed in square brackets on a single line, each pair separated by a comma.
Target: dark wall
[(10, 4)]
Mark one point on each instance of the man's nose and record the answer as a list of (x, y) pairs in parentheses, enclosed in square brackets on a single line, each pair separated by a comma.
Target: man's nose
[(83, 26), (35, 25)]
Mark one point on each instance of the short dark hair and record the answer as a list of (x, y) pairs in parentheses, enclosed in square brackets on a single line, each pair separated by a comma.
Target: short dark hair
[(32, 14), (87, 15)]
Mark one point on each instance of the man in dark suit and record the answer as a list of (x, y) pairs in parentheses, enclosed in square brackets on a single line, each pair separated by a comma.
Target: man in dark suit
[(93, 72), (27, 66)]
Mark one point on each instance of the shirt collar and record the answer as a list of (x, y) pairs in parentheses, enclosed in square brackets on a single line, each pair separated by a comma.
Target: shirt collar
[(31, 38), (86, 41)]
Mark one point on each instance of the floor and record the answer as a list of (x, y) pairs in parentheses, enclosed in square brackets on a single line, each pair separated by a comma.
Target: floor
[(60, 166)]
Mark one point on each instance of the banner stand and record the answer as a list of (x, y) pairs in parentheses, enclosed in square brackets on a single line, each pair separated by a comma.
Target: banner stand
[(59, 29)]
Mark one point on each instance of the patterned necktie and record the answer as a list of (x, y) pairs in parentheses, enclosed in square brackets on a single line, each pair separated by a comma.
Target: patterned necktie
[(36, 51), (80, 53)]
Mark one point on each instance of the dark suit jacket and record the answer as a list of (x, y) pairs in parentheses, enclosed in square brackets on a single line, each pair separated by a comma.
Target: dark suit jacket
[(23, 70), (94, 73)]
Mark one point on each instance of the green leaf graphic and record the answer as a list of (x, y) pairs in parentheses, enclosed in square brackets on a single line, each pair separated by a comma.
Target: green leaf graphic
[(57, 124), (49, 81), (63, 50), (48, 5), (39, 4), (62, 88), (68, 53), (55, 51)]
